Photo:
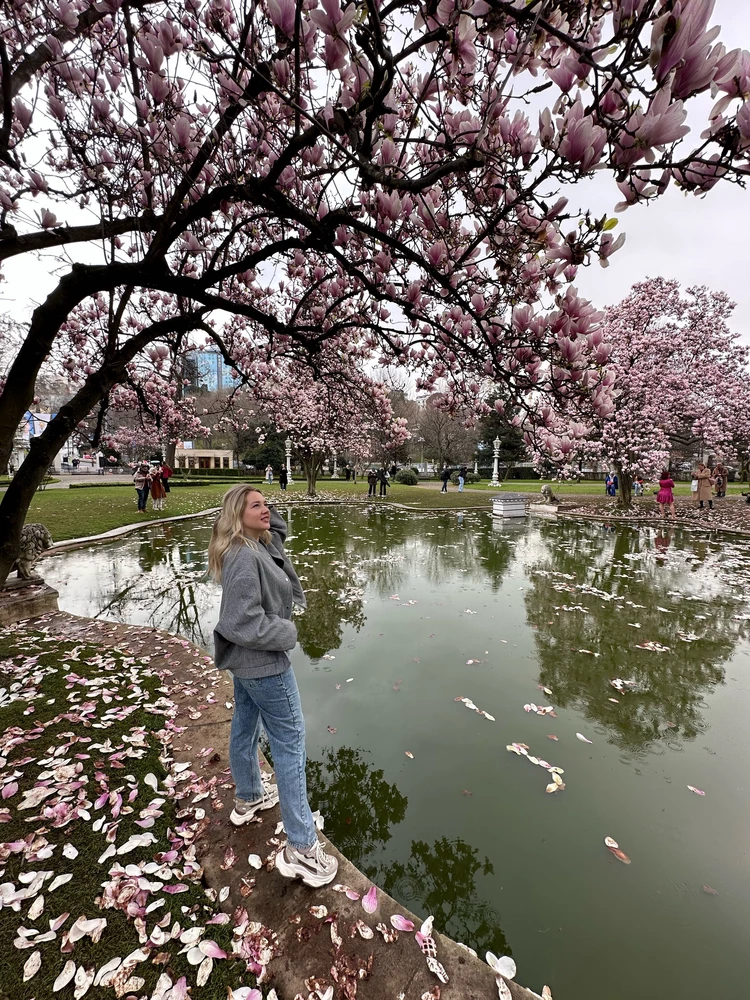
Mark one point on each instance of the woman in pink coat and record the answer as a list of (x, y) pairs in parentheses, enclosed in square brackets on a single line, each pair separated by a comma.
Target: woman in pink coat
[(665, 497)]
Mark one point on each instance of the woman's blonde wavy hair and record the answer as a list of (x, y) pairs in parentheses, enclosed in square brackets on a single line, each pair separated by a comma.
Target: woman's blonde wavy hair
[(228, 529)]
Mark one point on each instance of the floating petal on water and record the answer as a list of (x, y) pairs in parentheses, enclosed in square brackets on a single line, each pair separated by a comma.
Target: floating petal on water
[(696, 790), (582, 738), (620, 855)]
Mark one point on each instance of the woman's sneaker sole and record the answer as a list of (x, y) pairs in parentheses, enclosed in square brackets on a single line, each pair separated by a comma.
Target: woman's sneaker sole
[(300, 870)]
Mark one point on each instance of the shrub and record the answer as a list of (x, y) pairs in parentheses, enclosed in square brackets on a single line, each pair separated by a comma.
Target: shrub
[(407, 477), (415, 470), (470, 477)]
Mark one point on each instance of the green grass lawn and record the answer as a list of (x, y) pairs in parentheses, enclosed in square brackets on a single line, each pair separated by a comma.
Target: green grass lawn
[(78, 513), (84, 726)]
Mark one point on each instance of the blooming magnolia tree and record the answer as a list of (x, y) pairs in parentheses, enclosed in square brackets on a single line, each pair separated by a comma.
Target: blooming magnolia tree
[(219, 165), (352, 415), (676, 366)]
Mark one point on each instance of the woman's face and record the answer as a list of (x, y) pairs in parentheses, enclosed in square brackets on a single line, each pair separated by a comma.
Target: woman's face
[(256, 517)]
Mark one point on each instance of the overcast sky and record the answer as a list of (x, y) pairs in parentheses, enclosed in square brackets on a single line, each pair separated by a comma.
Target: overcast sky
[(695, 240)]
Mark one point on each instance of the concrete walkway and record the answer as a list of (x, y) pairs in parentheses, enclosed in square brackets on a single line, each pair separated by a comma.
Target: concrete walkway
[(320, 937)]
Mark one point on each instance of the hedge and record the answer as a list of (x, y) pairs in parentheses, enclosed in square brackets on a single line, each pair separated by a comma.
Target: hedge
[(172, 484)]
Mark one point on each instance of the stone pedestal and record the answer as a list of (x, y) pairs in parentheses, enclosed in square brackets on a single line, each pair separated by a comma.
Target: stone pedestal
[(20, 599), (509, 505)]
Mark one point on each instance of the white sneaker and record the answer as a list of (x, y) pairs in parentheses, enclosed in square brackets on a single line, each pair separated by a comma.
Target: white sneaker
[(244, 812), (314, 867)]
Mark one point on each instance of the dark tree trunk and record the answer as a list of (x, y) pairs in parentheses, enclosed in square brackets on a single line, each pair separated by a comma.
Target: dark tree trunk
[(626, 487), (169, 449), (17, 498), (18, 394), (312, 464)]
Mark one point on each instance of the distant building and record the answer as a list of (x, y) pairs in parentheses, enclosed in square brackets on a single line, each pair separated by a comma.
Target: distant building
[(208, 372), (187, 457)]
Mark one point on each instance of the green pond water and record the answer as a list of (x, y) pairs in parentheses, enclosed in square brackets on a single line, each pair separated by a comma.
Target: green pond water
[(407, 613)]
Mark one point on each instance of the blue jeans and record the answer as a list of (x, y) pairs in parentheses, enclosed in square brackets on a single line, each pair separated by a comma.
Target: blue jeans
[(273, 702), (460, 484), (142, 497)]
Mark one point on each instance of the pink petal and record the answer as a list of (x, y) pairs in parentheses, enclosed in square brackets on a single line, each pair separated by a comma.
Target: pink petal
[(10, 789), (401, 923), (173, 889), (370, 901), (696, 790), (212, 949)]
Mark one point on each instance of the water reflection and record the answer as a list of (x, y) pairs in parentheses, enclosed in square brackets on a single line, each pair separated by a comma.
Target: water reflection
[(361, 808), (596, 597), (359, 805), (442, 878)]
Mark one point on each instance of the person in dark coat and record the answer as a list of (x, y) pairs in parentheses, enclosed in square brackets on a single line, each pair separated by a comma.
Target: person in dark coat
[(383, 480), (445, 476), (283, 478), (372, 482)]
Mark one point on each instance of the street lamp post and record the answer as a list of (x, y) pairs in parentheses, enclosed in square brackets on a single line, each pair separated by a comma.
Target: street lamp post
[(335, 473), (476, 466), (495, 483), (288, 450)]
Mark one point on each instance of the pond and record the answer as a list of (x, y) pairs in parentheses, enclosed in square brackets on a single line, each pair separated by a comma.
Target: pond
[(410, 612)]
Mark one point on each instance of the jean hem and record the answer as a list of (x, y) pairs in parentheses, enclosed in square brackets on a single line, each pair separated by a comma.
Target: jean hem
[(302, 850)]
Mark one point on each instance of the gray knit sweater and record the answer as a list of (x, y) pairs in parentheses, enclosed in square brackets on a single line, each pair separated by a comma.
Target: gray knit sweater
[(259, 587)]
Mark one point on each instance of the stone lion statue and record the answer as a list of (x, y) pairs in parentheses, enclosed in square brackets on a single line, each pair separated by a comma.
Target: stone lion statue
[(547, 495), (34, 540)]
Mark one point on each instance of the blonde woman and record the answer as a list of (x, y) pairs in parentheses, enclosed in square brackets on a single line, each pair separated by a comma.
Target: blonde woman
[(252, 639)]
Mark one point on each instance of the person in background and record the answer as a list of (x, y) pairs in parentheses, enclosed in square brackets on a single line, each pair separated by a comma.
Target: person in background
[(283, 478), (461, 478), (372, 482), (612, 484), (269, 473), (347, 472), (638, 486), (383, 479), (445, 475), (141, 483), (703, 493), (252, 641), (166, 475), (158, 493), (665, 497), (354, 473), (720, 476)]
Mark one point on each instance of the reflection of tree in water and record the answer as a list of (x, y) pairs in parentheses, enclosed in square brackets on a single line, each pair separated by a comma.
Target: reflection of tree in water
[(320, 550), (358, 804), (624, 564), (360, 808), (440, 878), (170, 587)]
